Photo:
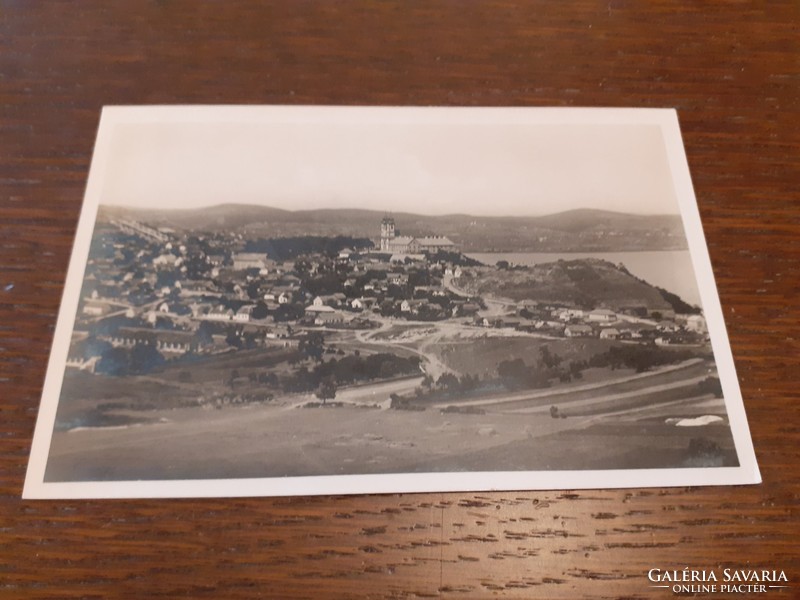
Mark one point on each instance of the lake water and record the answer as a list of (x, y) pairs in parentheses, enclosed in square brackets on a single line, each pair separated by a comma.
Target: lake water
[(668, 269)]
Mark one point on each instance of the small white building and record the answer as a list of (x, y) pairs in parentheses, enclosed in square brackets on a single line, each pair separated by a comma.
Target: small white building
[(220, 313), (244, 314), (696, 323), (95, 309), (250, 260), (609, 333), (316, 310), (578, 331), (602, 315), (165, 260)]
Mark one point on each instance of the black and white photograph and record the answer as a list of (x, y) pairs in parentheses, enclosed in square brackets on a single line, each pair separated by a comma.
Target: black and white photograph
[(276, 300)]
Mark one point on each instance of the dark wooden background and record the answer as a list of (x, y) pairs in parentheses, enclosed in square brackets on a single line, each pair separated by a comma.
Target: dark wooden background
[(732, 69)]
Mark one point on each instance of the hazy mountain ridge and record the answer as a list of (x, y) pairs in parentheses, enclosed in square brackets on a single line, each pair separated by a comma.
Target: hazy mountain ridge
[(578, 230)]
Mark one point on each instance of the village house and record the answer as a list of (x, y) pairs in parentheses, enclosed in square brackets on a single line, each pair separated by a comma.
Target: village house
[(397, 278), (317, 309), (244, 314), (250, 260), (508, 323), (199, 288), (572, 331), (219, 313), (175, 342), (81, 363), (609, 333), (96, 309), (165, 261), (602, 315), (667, 326), (331, 317), (357, 304), (199, 309), (568, 314), (696, 323), (278, 332), (465, 309)]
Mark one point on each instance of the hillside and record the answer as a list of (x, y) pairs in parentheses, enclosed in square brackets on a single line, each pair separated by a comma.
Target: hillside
[(585, 283), (572, 231)]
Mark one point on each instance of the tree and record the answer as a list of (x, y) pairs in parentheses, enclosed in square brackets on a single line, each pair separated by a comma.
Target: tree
[(95, 347), (144, 358), (233, 339), (233, 377), (313, 345), (289, 312), (260, 311), (514, 372), (204, 334), (327, 389), (114, 361), (549, 360), (253, 290), (447, 381)]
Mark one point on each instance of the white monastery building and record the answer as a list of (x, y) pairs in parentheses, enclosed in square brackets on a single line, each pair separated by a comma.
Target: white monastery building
[(406, 244)]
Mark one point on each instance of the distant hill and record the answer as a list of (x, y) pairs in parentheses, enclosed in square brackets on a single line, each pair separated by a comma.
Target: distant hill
[(586, 282), (228, 216), (583, 230)]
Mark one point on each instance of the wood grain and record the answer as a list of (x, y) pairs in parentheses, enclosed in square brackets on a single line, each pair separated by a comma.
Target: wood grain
[(731, 68)]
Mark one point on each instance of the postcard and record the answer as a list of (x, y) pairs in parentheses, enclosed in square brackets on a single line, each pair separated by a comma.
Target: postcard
[(275, 300)]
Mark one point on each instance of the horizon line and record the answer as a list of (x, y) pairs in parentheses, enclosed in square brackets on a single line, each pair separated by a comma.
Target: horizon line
[(385, 211)]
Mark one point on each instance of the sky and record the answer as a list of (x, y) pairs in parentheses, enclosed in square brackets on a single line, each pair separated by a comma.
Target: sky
[(433, 167)]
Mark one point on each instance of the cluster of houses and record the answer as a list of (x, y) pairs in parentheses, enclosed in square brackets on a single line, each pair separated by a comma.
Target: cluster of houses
[(635, 323), (156, 287), (151, 281)]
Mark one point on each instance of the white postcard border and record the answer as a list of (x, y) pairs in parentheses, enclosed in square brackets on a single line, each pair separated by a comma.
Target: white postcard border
[(746, 473)]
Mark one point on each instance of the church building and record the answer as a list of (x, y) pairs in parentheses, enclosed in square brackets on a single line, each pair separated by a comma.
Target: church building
[(405, 244)]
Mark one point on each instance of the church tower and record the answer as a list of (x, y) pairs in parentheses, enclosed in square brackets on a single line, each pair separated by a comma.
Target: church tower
[(387, 233)]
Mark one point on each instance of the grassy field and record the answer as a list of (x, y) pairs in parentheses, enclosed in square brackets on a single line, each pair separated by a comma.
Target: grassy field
[(275, 441), (152, 427), (482, 355)]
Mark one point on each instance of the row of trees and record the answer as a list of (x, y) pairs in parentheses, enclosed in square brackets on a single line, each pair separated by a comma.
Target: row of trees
[(350, 369), (138, 360), (640, 358)]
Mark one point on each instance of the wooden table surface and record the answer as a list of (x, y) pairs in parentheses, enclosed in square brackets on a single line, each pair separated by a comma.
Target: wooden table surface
[(731, 69)]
